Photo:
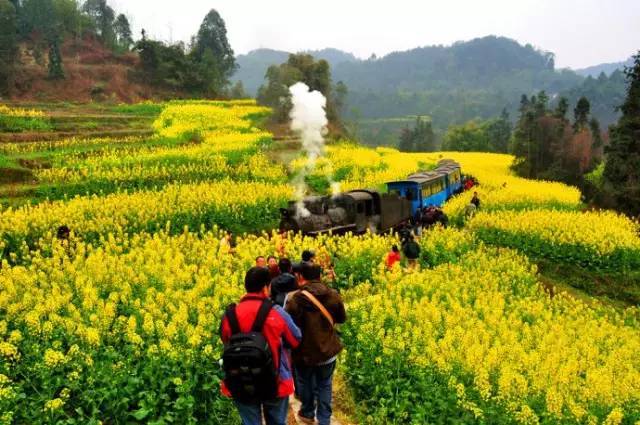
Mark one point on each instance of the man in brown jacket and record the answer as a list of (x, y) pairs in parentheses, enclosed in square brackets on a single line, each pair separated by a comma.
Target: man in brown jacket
[(315, 309)]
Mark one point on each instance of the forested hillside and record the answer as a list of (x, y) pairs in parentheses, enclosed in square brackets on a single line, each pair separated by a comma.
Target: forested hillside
[(85, 51), (452, 84)]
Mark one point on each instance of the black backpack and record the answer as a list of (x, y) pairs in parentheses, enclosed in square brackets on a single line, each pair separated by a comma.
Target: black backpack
[(411, 250), (250, 373)]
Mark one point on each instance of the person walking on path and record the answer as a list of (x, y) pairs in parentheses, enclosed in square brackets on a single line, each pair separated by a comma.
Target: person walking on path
[(316, 309), (284, 283), (272, 265), (261, 261), (257, 336), (411, 250)]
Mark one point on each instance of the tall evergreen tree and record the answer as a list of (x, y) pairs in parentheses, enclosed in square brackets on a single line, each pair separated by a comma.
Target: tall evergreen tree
[(418, 139), (622, 168), (38, 17), (562, 108), (541, 103), (122, 31), (103, 17), (56, 71), (213, 55), (238, 91), (8, 43), (581, 114), (340, 98), (594, 125), (499, 132)]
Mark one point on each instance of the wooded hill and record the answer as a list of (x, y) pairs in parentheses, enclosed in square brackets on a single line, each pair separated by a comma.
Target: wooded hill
[(452, 84)]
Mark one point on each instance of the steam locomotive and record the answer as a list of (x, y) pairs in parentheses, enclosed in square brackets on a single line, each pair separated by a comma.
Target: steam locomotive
[(360, 210)]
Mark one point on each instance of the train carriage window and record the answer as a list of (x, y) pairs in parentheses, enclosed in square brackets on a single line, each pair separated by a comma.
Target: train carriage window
[(360, 208), (412, 194)]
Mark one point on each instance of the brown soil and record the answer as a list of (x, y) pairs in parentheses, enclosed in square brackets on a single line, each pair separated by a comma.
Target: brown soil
[(15, 175), (57, 135), (92, 73), (35, 164)]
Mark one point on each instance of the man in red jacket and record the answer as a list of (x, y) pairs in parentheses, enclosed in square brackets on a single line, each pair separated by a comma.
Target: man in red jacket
[(281, 334)]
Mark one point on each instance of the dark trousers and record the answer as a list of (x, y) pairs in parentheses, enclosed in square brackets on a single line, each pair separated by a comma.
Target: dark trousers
[(275, 412), (316, 384)]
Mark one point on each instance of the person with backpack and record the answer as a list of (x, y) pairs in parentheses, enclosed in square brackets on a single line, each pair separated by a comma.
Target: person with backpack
[(257, 335), (316, 308), (411, 250)]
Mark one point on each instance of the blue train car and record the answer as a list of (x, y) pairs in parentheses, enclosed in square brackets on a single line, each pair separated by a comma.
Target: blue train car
[(408, 189), (430, 187), (433, 187), (422, 189), (453, 176)]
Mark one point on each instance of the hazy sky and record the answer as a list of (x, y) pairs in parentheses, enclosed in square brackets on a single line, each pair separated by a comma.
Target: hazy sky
[(580, 32)]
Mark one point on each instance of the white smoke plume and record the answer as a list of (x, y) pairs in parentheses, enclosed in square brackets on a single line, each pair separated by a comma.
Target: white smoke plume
[(309, 120)]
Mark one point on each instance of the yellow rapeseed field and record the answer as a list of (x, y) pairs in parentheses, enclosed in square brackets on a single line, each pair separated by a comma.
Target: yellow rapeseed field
[(119, 323)]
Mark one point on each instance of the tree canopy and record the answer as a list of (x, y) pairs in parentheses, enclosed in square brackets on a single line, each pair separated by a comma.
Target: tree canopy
[(420, 138), (212, 54), (477, 136), (204, 70), (8, 43), (622, 168), (316, 74), (548, 146)]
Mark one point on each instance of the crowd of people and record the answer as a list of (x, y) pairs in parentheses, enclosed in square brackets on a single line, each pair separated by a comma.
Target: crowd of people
[(281, 339)]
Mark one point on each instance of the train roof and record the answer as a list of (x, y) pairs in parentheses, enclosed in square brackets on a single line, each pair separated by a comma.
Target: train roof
[(445, 162), (359, 195), (421, 178), (445, 166)]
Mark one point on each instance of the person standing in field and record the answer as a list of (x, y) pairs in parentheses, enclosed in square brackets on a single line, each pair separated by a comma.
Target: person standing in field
[(417, 222), (316, 309), (469, 210), (393, 257), (475, 200), (226, 243), (257, 335), (411, 250)]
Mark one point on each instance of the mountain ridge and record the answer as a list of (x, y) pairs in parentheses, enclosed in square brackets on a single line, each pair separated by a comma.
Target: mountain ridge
[(466, 80), (608, 68)]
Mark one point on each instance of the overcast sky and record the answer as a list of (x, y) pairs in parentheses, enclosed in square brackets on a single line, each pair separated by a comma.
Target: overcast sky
[(580, 32)]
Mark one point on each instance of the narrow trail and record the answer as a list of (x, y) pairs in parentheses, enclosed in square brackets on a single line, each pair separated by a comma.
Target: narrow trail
[(294, 407)]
